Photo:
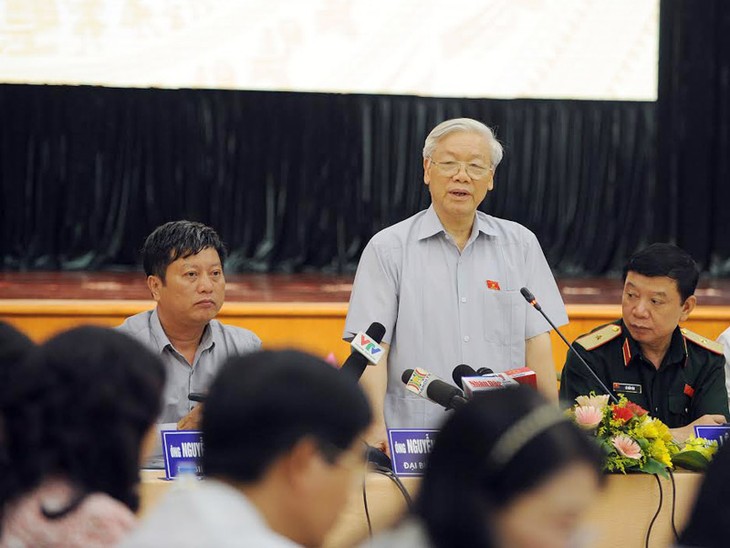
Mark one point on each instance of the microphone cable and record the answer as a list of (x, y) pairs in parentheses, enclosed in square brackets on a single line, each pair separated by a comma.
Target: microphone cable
[(365, 504), (674, 505), (398, 483), (658, 510)]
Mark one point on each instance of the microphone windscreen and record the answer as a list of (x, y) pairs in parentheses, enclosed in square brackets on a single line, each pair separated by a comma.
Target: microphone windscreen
[(461, 371), (406, 376), (527, 294), (376, 331), (442, 393), (484, 371)]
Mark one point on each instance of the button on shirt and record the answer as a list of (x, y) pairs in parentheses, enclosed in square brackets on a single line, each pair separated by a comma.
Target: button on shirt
[(442, 308), (218, 343), (689, 383)]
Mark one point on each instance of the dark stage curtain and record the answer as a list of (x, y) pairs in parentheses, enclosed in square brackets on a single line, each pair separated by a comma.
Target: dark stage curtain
[(299, 182), (693, 120)]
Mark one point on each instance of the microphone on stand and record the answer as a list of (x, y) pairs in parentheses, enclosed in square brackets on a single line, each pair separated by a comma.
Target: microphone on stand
[(472, 382), (530, 298), (430, 387)]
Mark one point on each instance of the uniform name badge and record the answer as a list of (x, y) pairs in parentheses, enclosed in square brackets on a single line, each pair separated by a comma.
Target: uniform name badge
[(409, 450), (626, 388)]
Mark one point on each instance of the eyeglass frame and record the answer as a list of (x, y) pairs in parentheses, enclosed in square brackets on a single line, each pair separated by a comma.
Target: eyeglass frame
[(462, 165)]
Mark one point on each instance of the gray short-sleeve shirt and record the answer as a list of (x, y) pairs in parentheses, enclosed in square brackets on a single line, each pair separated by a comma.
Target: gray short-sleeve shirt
[(219, 342), (442, 308)]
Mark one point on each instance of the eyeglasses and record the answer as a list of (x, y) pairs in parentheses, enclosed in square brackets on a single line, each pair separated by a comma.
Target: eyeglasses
[(451, 168)]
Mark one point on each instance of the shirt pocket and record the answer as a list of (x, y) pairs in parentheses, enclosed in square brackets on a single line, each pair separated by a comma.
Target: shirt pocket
[(501, 317), (678, 405)]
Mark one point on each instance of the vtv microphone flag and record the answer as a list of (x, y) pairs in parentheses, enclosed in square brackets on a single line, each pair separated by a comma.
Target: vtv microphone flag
[(365, 350), (368, 346)]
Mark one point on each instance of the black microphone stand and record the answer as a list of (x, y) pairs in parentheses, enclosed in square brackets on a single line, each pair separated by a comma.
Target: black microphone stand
[(530, 298)]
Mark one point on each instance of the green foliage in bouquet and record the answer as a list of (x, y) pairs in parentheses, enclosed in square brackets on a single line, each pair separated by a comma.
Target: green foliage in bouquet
[(633, 441)]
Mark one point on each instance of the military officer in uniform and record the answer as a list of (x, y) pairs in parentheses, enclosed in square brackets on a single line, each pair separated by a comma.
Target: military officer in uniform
[(677, 375)]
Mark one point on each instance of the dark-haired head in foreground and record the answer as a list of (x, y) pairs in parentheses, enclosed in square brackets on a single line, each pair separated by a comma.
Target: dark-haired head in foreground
[(295, 415), (79, 409), (281, 432), (508, 469), (13, 347)]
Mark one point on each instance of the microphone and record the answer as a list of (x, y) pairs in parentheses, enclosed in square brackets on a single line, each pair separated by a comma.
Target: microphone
[(484, 371), (472, 381), (530, 298), (378, 458), (462, 370), (197, 396), (429, 386), (365, 350)]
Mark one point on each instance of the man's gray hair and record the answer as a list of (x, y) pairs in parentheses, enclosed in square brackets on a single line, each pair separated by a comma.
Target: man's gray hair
[(466, 125)]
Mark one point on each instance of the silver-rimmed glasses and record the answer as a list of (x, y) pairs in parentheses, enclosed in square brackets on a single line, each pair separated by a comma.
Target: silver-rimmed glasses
[(452, 167)]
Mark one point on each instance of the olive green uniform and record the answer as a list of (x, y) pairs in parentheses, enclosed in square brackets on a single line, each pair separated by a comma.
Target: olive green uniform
[(690, 382)]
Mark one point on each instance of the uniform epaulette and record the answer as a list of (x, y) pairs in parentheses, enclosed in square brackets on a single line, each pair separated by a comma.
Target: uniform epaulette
[(704, 342), (599, 337)]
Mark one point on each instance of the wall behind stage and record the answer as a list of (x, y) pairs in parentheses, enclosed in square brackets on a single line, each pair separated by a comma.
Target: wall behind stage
[(300, 181)]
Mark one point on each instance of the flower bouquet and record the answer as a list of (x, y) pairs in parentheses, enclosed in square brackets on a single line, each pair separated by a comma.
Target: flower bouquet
[(633, 441)]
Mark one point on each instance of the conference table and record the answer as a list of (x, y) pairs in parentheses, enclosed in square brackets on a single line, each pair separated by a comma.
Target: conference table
[(620, 516)]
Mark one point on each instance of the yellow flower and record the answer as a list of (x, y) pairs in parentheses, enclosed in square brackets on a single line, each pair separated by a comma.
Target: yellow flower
[(647, 429), (704, 447), (658, 450), (663, 430)]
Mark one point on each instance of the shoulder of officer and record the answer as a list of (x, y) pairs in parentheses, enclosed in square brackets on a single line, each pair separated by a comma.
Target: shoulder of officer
[(599, 337), (704, 342)]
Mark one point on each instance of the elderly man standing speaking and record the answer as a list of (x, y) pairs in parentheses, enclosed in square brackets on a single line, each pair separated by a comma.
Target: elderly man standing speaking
[(446, 285)]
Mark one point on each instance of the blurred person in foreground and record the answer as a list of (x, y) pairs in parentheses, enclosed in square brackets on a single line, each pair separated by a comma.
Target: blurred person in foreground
[(675, 374), (507, 470), (183, 261), (708, 526), (13, 346), (451, 276), (282, 451), (78, 416)]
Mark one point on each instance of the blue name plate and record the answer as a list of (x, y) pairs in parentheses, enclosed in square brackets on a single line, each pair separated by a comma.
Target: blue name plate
[(718, 432), (409, 450), (183, 450)]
